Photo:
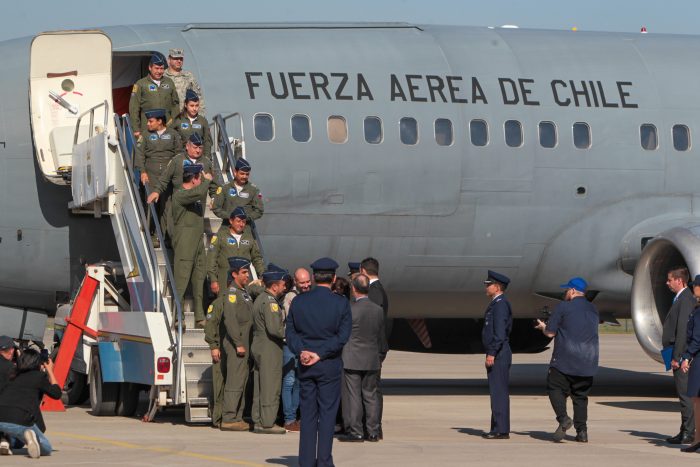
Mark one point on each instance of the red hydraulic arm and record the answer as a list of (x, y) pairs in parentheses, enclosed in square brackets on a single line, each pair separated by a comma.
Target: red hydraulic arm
[(72, 338)]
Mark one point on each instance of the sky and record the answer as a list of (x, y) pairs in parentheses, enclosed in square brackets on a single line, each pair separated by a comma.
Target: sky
[(670, 16)]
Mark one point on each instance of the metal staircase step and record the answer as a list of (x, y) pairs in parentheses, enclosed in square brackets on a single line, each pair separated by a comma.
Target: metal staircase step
[(199, 387), (197, 414), (189, 319), (196, 354), (198, 402), (201, 370), (193, 337)]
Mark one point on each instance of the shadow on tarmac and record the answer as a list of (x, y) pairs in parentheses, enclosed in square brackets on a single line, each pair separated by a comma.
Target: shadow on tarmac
[(657, 439), (648, 406), (284, 460)]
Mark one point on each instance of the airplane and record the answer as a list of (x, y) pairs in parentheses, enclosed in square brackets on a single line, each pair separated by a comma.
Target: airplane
[(443, 151)]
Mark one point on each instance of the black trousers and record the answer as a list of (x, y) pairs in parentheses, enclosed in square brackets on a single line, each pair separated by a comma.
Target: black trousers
[(687, 415), (561, 386)]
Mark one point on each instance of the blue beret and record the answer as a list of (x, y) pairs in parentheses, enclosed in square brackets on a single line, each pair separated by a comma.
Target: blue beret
[(236, 263), (196, 139), (353, 267), (192, 168), (190, 95), (324, 264), (577, 283), (496, 277), (242, 164), (239, 212), (157, 59), (155, 113)]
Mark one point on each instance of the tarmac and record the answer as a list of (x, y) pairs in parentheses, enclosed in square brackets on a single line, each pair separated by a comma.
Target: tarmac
[(435, 409)]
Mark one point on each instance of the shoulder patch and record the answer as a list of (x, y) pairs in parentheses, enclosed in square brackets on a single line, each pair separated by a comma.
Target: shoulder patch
[(135, 89), (211, 307), (218, 190), (214, 239), (232, 299), (274, 307)]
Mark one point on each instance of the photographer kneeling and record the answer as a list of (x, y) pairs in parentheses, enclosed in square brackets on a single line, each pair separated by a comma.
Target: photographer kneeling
[(20, 400)]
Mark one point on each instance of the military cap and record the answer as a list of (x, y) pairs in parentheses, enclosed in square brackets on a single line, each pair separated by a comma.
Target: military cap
[(236, 263), (190, 95), (155, 113), (274, 267), (176, 53), (6, 342), (577, 283), (242, 164), (157, 59), (273, 275), (354, 267), (192, 168), (196, 139), (238, 213), (324, 264), (493, 276), (695, 282)]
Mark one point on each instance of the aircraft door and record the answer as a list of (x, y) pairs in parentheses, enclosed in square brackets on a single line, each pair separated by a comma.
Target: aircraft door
[(70, 72)]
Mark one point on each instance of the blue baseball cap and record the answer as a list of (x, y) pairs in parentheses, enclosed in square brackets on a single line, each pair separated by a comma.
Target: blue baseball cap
[(577, 283)]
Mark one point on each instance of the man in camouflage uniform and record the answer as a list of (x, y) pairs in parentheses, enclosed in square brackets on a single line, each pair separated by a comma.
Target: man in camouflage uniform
[(190, 121), (235, 337), (231, 240), (268, 339), (188, 219), (239, 192), (184, 80), (154, 91)]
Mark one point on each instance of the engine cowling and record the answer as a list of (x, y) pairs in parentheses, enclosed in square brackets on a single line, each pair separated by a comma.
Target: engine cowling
[(651, 298)]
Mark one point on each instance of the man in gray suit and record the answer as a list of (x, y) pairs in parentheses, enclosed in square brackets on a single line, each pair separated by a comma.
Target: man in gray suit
[(675, 326), (361, 365)]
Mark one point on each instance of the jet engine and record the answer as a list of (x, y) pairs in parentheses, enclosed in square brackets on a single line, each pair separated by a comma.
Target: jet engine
[(651, 298)]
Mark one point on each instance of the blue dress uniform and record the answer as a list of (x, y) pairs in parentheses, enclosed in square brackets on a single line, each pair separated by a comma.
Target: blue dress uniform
[(319, 321), (498, 322)]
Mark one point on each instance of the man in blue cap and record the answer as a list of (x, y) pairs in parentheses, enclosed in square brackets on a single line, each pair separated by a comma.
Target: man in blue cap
[(188, 220), (189, 122), (498, 322), (153, 91), (319, 324), (574, 326), (268, 340), (239, 192)]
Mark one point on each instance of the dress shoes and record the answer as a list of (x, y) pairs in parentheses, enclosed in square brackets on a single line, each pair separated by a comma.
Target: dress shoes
[(348, 438), (373, 438), (492, 435), (560, 432), (681, 438), (692, 448), (582, 436)]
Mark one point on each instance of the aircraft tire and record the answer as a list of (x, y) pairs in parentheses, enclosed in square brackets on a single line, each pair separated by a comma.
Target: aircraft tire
[(103, 396), (128, 399)]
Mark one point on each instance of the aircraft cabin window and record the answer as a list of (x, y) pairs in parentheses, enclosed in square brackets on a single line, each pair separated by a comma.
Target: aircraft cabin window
[(479, 132), (514, 133), (443, 132), (373, 130), (548, 134), (582, 135), (648, 136), (264, 127), (408, 128), (681, 137), (301, 128), (337, 129)]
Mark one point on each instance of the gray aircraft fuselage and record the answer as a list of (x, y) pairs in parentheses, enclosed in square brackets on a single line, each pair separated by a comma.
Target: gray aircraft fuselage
[(437, 217)]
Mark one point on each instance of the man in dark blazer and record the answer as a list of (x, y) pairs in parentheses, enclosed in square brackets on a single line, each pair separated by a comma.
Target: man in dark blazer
[(674, 334), (318, 325), (361, 366), (370, 268)]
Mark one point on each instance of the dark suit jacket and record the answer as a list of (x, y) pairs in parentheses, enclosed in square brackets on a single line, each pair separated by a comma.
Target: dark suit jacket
[(362, 350), (319, 321), (676, 323), (377, 294)]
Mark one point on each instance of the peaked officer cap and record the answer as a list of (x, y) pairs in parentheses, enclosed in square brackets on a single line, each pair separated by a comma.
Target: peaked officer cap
[(493, 276), (324, 264), (242, 164), (353, 267), (238, 213), (235, 263), (190, 95), (155, 113), (196, 139), (577, 283), (157, 59)]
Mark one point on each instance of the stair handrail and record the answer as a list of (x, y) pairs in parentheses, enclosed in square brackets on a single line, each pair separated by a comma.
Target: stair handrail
[(91, 111), (230, 163)]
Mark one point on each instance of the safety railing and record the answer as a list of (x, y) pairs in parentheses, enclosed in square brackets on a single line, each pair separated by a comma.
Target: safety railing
[(91, 127)]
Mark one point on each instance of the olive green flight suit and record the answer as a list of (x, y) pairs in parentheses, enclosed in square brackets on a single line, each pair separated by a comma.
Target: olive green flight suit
[(147, 95), (236, 332), (190, 261), (212, 336), (229, 199), (186, 128), (268, 339), (223, 245)]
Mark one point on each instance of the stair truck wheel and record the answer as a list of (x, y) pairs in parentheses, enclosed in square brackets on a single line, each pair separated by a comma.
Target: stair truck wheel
[(128, 399), (103, 396)]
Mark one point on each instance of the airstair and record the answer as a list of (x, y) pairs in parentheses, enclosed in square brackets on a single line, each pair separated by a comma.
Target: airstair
[(139, 336)]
